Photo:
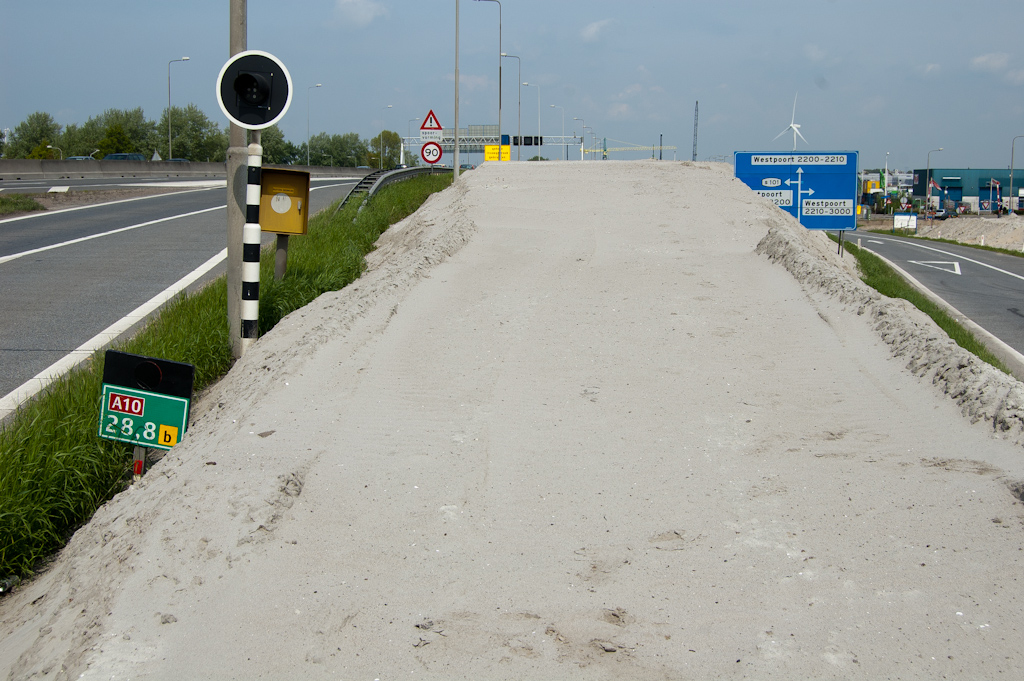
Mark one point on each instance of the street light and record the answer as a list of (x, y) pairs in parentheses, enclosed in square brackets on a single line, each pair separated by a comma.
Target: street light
[(928, 183), (1012, 142), (553, 106), (50, 146), (583, 142), (538, 110), (307, 119), (169, 154), (500, 54), (383, 109), (519, 115), (93, 152)]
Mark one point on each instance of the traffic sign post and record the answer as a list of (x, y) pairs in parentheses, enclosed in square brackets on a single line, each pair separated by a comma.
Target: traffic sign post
[(818, 188), (431, 152), (431, 130)]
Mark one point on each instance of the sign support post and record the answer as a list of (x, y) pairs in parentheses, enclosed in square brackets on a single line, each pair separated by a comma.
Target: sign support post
[(236, 160)]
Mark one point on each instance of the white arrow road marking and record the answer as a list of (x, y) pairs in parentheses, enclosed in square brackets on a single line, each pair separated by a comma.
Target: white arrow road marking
[(937, 264), (955, 255)]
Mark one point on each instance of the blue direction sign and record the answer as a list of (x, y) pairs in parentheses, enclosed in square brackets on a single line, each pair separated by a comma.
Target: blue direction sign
[(818, 188)]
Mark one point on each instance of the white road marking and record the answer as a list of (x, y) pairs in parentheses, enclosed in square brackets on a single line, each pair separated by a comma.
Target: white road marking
[(39, 214), (936, 265), (32, 386), (955, 255), (15, 256)]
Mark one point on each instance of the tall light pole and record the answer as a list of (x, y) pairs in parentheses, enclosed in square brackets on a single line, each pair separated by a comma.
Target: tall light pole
[(455, 162), (50, 146), (583, 134), (1012, 142), (307, 118), (519, 114), (538, 111), (499, 73), (383, 109), (553, 106), (169, 154), (885, 181), (928, 182)]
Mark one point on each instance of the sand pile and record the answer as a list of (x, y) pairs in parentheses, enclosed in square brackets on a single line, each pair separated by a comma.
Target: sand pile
[(1006, 231), (578, 421)]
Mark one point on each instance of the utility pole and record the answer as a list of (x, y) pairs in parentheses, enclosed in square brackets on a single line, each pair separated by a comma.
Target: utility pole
[(696, 106), (237, 170)]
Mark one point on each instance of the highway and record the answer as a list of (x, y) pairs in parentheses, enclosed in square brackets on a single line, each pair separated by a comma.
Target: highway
[(985, 286), (69, 275)]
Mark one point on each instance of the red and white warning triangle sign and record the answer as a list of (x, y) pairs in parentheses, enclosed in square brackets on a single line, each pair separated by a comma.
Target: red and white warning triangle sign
[(431, 128)]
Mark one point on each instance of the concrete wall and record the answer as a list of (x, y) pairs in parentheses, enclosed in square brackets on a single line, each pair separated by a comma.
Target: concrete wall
[(23, 169)]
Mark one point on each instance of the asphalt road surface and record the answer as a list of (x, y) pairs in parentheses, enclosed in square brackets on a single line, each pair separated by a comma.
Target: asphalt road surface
[(68, 275), (985, 286)]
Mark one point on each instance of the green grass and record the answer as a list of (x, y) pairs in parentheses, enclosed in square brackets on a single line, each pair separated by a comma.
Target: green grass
[(54, 470), (884, 279), (16, 203)]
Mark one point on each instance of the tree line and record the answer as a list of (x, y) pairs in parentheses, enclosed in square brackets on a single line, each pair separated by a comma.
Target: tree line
[(194, 137)]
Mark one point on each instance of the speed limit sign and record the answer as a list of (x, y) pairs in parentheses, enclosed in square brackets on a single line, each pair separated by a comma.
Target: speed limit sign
[(431, 152)]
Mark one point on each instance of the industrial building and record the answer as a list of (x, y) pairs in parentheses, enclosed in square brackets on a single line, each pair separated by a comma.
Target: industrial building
[(968, 190)]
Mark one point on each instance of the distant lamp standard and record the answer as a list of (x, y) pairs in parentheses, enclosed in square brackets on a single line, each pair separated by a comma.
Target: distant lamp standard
[(554, 106), (582, 135), (61, 151), (500, 55), (519, 114), (383, 109), (307, 118), (885, 181), (928, 182), (93, 152), (538, 110), (170, 155), (1012, 142)]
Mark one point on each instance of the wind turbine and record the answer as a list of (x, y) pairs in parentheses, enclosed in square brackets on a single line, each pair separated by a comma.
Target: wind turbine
[(794, 126)]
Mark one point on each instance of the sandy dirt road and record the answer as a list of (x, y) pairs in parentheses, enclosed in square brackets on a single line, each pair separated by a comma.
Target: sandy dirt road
[(578, 421)]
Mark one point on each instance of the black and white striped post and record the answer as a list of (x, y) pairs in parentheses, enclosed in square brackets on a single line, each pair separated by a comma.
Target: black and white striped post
[(251, 235), (254, 90)]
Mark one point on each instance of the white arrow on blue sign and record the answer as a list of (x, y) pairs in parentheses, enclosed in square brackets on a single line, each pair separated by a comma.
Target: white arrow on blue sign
[(821, 186)]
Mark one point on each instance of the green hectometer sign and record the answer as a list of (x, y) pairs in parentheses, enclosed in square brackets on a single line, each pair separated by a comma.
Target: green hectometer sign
[(142, 418)]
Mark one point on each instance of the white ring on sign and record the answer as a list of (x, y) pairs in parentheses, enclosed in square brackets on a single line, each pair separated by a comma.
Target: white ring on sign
[(281, 203)]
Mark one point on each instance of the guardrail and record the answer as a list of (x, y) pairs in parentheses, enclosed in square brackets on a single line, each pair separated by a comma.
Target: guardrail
[(403, 174)]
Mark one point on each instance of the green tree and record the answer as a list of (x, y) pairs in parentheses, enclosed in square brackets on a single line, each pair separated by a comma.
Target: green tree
[(276, 149), (79, 140), (36, 130), (133, 123), (346, 150), (115, 141), (390, 146), (3, 142), (193, 136)]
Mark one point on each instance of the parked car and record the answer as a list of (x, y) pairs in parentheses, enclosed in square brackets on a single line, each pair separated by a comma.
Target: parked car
[(941, 214), (466, 166), (79, 158), (124, 157)]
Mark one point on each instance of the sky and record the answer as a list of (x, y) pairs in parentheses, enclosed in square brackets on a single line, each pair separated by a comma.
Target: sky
[(903, 76)]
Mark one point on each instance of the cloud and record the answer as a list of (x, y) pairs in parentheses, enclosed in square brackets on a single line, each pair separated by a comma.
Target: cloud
[(359, 12), (620, 111), (592, 32), (814, 53), (995, 61), (931, 69), (1015, 77)]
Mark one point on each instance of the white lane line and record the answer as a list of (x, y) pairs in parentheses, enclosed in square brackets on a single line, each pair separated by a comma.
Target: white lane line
[(39, 214), (15, 256), (956, 255), (935, 264), (32, 386)]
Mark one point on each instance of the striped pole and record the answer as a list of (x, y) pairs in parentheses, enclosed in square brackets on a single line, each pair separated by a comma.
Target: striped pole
[(251, 247)]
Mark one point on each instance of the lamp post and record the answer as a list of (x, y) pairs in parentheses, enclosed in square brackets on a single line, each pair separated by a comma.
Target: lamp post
[(383, 109), (50, 146), (928, 182), (93, 152), (582, 135), (519, 114), (538, 110), (1012, 142), (553, 106), (455, 154), (169, 154), (885, 182), (499, 72), (307, 118)]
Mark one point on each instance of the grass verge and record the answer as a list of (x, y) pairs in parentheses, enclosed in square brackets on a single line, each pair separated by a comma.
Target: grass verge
[(54, 470), (887, 281), (17, 203)]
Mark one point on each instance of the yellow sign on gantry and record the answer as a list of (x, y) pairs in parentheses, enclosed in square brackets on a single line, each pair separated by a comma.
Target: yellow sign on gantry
[(491, 152)]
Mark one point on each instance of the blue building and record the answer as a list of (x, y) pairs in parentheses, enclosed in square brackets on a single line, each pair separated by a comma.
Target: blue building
[(968, 189)]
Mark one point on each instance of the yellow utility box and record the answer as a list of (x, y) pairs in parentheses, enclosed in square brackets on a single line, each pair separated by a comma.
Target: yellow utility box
[(284, 201)]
